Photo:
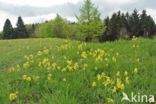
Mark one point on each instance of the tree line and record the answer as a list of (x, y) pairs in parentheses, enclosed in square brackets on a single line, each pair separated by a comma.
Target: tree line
[(89, 27)]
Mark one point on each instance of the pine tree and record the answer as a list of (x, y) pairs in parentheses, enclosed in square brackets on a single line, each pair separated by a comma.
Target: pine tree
[(8, 31), (90, 24), (21, 31)]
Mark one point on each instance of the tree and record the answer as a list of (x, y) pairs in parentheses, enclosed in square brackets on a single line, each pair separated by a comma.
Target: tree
[(60, 27), (90, 24), (21, 31), (134, 24), (8, 31)]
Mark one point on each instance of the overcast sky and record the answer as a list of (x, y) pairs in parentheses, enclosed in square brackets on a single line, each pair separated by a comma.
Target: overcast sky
[(33, 11)]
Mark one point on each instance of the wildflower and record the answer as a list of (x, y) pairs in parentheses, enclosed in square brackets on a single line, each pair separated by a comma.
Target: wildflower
[(18, 66), (113, 59), (69, 67), (28, 79), (118, 73), (39, 64), (52, 57), (114, 89), (106, 59), (122, 87), (84, 66), (58, 67), (117, 54), (76, 66), (93, 84), (13, 96), (106, 65), (127, 80), (109, 100), (135, 70), (39, 53), (69, 62), (133, 46), (46, 51), (12, 69), (126, 73), (84, 55), (99, 77), (64, 69), (24, 77), (49, 76), (26, 65)]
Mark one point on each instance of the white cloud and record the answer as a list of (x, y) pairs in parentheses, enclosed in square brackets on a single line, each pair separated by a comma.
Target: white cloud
[(121, 1), (39, 3)]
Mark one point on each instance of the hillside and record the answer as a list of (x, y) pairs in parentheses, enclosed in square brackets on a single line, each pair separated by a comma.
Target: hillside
[(59, 71)]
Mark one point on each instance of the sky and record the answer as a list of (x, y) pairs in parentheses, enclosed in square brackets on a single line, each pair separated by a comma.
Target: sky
[(36, 11)]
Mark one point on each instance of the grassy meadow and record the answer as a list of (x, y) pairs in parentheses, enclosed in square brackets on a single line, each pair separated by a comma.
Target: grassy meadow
[(59, 71)]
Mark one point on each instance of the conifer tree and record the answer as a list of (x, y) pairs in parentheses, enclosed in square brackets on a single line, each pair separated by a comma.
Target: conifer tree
[(8, 31)]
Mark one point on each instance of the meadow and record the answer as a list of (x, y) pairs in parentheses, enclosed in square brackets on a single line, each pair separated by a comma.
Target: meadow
[(59, 71)]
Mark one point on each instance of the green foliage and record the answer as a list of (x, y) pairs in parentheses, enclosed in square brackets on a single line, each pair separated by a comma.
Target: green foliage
[(77, 88), (21, 31), (90, 24), (8, 32)]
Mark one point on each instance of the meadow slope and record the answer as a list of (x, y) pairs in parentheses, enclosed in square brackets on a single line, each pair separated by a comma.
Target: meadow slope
[(58, 71)]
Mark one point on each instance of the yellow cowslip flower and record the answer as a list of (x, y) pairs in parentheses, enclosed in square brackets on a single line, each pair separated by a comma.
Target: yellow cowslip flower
[(84, 66), (58, 67), (28, 79), (109, 100), (24, 77), (49, 76), (76, 66), (39, 64), (126, 73), (133, 46), (93, 84), (114, 89), (18, 66), (31, 56), (117, 54), (122, 87), (26, 65), (69, 67), (84, 55), (105, 83), (39, 53), (99, 77), (135, 70), (113, 59), (127, 81), (46, 51), (69, 62), (12, 69), (64, 69), (13, 96), (118, 73)]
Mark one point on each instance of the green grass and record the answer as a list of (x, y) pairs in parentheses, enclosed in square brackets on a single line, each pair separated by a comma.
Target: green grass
[(74, 86)]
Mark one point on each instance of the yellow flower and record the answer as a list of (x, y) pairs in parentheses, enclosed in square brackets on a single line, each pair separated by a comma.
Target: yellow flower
[(64, 69), (114, 89), (106, 65), (46, 51), (84, 66), (49, 76), (76, 66), (113, 59), (13, 96), (39, 64), (127, 80), (99, 77), (58, 67), (28, 79), (93, 84), (39, 53), (84, 55), (18, 66), (12, 69), (118, 73), (52, 57), (109, 100), (133, 46), (122, 87), (106, 59), (26, 65), (24, 77), (126, 73), (117, 54), (135, 70), (69, 62)]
